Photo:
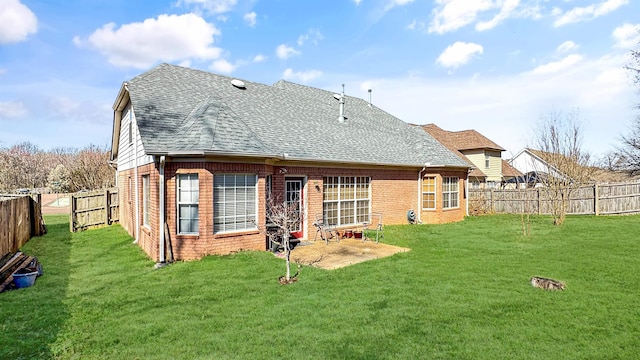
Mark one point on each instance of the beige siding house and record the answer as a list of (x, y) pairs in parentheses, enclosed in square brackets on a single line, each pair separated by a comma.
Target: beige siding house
[(489, 170)]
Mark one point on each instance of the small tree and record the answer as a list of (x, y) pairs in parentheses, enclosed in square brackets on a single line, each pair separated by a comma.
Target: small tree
[(559, 140), (59, 179), (283, 218)]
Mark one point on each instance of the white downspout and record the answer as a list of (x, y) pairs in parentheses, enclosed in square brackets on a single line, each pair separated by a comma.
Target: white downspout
[(466, 193), (162, 210), (135, 173), (420, 193)]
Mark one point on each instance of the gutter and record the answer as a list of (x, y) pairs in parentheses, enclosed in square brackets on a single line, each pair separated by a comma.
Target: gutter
[(287, 157), (135, 174), (420, 192)]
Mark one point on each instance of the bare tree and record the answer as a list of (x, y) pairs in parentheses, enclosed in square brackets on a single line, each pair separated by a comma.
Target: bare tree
[(627, 155), (565, 165), (26, 166), (282, 219)]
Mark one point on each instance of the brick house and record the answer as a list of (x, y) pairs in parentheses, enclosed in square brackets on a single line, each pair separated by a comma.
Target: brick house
[(197, 153)]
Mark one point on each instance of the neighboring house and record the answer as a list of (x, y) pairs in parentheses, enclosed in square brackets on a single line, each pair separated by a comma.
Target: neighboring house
[(199, 153), (534, 164), (511, 177), (485, 156)]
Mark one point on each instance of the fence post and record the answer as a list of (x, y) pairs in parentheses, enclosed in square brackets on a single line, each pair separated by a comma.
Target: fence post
[(106, 206), (72, 220), (493, 209), (539, 201), (596, 200)]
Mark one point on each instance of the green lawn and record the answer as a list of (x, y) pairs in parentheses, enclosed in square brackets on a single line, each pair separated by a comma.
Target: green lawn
[(462, 292)]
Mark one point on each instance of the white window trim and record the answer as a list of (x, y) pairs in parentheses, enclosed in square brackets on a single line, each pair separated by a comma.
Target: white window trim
[(255, 225), (447, 194), (178, 203), (435, 192), (146, 200), (355, 200)]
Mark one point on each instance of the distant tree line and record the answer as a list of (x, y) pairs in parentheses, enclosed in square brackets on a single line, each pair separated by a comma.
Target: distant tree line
[(26, 166)]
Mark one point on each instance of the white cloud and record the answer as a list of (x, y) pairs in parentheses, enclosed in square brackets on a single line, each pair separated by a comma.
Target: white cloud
[(458, 54), (167, 38), (394, 3), (506, 11), (450, 15), (313, 36), (557, 66), (259, 58), (567, 46), (357, 2), (627, 36), (284, 52), (17, 21), (223, 66), (250, 18), (302, 76), (586, 13), (504, 107), (12, 109), (212, 6)]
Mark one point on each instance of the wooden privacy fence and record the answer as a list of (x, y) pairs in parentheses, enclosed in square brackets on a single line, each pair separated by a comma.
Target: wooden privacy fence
[(597, 199), (93, 209), (20, 219)]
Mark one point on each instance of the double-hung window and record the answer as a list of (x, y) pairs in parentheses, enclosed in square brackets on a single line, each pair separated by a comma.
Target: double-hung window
[(346, 199), (188, 197), (146, 199), (429, 193), (450, 192), (234, 202)]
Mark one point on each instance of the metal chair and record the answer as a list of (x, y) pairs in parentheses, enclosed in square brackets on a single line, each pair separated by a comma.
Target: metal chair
[(375, 224), (325, 229)]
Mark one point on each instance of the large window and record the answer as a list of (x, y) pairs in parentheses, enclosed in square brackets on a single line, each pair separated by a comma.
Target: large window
[(188, 197), (429, 193), (346, 199), (234, 202), (449, 192), (146, 199)]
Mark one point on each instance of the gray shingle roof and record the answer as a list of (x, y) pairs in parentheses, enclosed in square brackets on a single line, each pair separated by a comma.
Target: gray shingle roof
[(185, 110)]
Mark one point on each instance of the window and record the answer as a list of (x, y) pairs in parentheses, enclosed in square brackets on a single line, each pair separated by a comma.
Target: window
[(487, 161), (429, 192), (346, 199), (130, 131), (188, 197), (146, 189), (450, 192), (234, 202)]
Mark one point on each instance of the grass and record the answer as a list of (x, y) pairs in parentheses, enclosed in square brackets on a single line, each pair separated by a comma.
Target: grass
[(462, 292)]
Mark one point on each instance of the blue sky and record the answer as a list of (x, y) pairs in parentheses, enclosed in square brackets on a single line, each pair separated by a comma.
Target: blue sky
[(496, 66)]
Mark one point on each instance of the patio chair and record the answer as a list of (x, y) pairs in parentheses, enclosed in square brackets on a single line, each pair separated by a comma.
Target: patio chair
[(325, 229), (375, 224)]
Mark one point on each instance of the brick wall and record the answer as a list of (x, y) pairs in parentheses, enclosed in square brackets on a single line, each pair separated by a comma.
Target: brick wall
[(393, 193)]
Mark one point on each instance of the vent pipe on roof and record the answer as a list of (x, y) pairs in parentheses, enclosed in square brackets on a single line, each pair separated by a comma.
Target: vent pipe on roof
[(369, 97), (341, 118)]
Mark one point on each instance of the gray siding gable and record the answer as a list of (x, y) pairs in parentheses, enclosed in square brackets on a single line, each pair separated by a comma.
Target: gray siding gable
[(181, 109)]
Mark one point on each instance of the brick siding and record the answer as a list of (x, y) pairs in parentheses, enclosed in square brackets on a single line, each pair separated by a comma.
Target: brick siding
[(393, 193)]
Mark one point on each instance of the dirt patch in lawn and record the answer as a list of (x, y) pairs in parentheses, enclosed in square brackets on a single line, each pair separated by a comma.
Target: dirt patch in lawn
[(347, 252)]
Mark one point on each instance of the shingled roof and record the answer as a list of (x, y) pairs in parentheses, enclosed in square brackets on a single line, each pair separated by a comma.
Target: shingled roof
[(187, 111)]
